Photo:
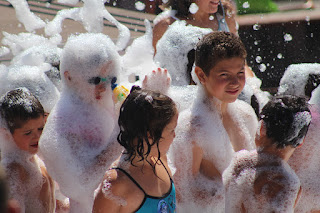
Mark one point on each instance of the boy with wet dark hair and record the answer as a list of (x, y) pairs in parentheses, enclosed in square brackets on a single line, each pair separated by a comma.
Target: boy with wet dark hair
[(261, 180), (216, 126), (22, 122)]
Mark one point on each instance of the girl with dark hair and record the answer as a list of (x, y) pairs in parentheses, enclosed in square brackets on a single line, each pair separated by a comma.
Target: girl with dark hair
[(219, 15), (141, 181)]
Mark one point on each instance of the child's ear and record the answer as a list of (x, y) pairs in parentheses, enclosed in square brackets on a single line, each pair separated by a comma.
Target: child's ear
[(67, 75), (200, 74), (263, 130)]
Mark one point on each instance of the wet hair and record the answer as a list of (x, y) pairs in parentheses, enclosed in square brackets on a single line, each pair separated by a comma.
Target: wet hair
[(217, 46), (182, 7), (143, 115), (287, 119), (18, 106)]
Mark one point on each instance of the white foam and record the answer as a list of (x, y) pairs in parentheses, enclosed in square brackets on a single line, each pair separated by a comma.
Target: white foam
[(91, 15), (295, 79), (173, 48), (79, 140), (30, 21), (202, 124), (242, 174)]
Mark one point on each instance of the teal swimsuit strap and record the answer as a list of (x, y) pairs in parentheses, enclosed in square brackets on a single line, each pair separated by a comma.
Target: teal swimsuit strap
[(138, 185), (132, 179)]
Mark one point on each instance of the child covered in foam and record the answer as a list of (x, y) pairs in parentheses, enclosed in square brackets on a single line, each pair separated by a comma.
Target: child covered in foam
[(22, 121), (261, 180), (79, 140), (214, 127), (303, 80)]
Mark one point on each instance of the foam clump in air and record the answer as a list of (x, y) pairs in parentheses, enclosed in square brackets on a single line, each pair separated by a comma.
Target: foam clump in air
[(91, 16), (23, 41), (30, 21), (138, 59), (202, 125), (259, 182), (78, 142), (296, 77), (32, 78), (173, 49)]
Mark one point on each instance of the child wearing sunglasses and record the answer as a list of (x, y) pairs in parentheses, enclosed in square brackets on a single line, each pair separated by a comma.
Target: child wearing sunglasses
[(79, 140)]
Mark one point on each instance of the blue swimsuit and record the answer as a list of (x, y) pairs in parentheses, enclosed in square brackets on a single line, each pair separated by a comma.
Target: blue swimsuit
[(151, 204)]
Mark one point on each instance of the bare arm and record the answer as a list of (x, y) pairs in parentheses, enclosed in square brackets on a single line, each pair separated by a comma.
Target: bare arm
[(158, 30), (17, 176), (103, 202)]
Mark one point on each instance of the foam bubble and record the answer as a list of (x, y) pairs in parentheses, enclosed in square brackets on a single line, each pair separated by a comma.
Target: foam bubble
[(139, 5), (193, 9), (173, 48), (78, 142)]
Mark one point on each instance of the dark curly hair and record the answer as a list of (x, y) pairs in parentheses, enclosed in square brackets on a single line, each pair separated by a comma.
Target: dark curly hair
[(18, 106), (279, 117), (143, 115), (217, 46)]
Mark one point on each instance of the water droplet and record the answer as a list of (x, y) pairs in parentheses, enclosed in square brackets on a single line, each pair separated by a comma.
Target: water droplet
[(311, 35), (287, 37), (193, 8), (114, 3), (279, 56), (211, 17), (139, 5), (258, 59), (308, 18), (256, 42), (165, 1), (262, 67), (256, 27), (246, 5)]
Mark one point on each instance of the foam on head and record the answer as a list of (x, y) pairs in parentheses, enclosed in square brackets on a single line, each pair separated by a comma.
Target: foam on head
[(296, 77), (173, 49), (85, 56), (33, 79), (287, 119)]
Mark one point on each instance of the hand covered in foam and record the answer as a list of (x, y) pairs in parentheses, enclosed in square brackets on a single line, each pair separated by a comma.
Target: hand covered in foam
[(158, 80)]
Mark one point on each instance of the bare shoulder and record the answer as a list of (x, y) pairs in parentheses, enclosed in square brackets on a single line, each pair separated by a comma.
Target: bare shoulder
[(245, 110), (160, 28), (114, 193), (15, 169)]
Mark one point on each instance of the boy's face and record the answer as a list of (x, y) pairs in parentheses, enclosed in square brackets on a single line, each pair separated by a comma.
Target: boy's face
[(225, 80), (27, 137)]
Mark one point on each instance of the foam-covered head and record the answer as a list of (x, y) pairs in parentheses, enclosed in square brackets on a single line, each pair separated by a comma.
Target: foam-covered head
[(87, 56), (34, 80), (217, 46), (286, 119), (300, 80), (143, 116), (18, 106)]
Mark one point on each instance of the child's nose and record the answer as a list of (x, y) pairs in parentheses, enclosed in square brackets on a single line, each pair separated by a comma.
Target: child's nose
[(235, 80)]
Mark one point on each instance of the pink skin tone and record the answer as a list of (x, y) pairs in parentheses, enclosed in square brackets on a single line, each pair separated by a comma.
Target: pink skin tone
[(207, 6), (225, 80), (27, 137)]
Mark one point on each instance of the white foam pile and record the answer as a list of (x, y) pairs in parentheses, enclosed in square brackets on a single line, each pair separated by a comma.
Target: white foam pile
[(173, 48), (260, 183), (78, 142)]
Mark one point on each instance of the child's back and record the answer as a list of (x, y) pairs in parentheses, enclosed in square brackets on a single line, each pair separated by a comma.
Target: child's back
[(261, 180), (260, 183)]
